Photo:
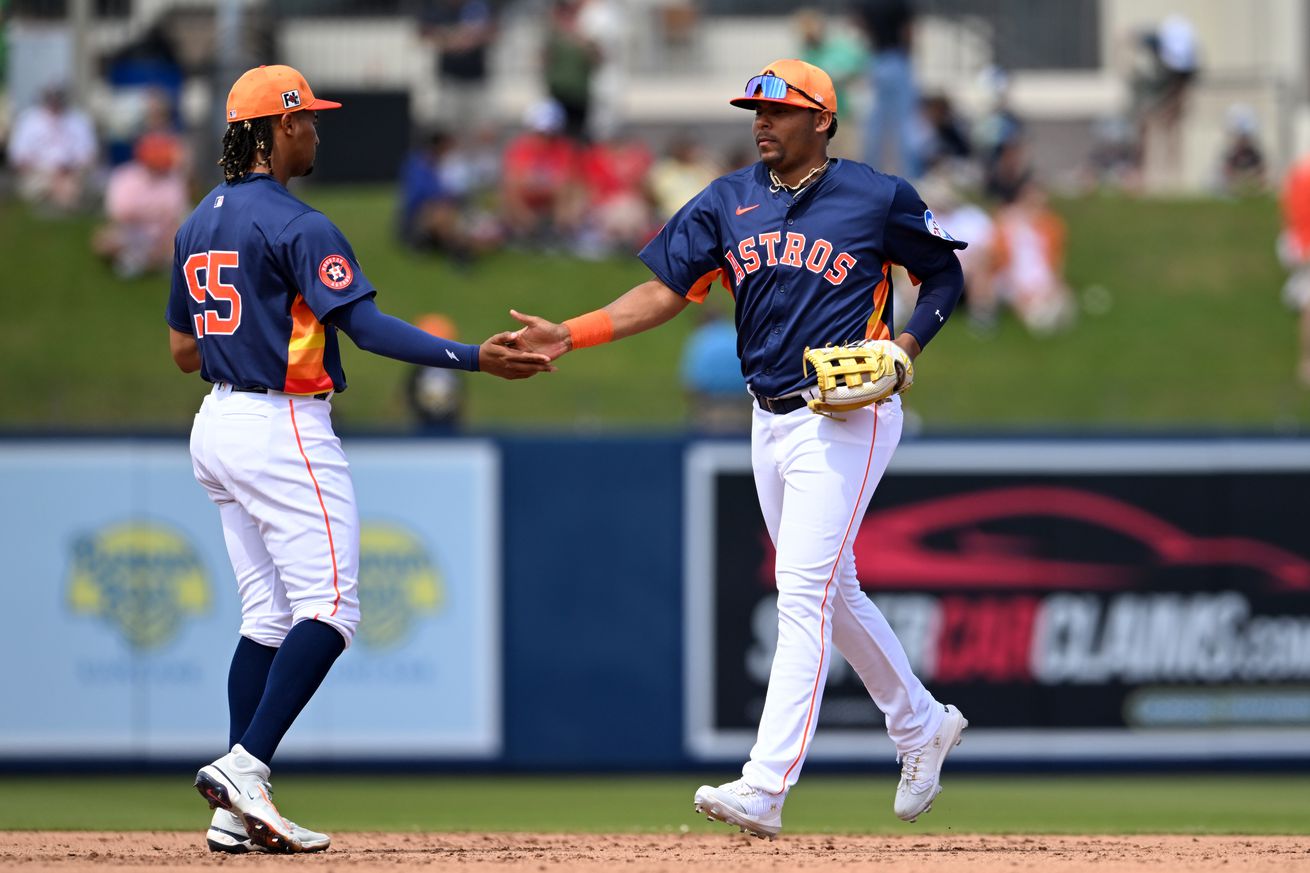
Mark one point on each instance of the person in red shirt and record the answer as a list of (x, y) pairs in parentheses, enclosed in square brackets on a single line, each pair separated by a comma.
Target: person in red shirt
[(542, 200), (1294, 251), (619, 214)]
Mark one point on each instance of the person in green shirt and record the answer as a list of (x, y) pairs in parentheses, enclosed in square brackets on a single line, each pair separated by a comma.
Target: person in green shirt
[(842, 55)]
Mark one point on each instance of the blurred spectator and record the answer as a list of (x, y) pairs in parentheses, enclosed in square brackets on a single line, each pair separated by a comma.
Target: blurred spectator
[(437, 212), (891, 132), (946, 140), (1242, 164), (1030, 241), (1294, 252), (53, 150), (1114, 161), (602, 23), (473, 168), (435, 395), (1007, 170), (1002, 140), (678, 24), (478, 159), (835, 50), (717, 401), (462, 32), (541, 198), (618, 214), (158, 114), (968, 222), (1160, 87), (570, 62), (144, 85), (145, 201), (680, 175)]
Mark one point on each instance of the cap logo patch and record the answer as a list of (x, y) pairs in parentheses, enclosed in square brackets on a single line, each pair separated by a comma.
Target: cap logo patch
[(290, 99), (335, 272), (934, 228), (231, 113)]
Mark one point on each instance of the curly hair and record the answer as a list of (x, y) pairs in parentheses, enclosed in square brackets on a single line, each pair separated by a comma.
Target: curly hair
[(241, 141)]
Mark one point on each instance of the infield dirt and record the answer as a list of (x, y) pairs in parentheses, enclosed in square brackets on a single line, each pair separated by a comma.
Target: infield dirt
[(672, 853)]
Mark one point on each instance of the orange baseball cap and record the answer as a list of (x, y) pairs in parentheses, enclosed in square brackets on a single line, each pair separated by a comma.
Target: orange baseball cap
[(158, 151), (274, 90), (792, 82), (438, 325)]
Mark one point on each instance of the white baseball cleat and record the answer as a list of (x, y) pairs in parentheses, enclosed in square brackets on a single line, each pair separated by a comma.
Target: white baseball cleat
[(921, 769), (238, 782), (227, 833), (737, 803)]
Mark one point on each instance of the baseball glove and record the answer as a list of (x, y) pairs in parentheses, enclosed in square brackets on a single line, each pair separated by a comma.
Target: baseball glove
[(857, 374)]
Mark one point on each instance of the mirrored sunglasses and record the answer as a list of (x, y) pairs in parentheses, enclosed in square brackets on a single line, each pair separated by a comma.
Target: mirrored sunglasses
[(771, 87)]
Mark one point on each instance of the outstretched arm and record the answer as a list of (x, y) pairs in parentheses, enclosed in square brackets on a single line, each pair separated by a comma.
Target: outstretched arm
[(648, 305), (374, 331)]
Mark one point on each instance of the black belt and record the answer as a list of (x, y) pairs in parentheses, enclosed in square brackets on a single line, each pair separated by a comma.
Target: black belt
[(262, 390), (781, 405)]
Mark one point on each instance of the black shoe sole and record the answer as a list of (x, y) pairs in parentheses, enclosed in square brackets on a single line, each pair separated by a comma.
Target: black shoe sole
[(213, 791)]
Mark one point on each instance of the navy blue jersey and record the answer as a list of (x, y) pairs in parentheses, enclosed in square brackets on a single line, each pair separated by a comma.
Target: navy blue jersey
[(805, 269), (255, 274)]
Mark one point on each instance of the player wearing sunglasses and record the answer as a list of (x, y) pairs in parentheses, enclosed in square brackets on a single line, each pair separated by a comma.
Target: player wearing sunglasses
[(805, 244)]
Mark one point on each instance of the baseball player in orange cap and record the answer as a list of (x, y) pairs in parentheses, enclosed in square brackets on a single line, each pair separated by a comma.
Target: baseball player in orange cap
[(805, 244), (262, 282)]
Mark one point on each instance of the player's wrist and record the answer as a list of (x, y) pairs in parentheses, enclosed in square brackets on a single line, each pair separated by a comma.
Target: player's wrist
[(909, 344), (592, 329)]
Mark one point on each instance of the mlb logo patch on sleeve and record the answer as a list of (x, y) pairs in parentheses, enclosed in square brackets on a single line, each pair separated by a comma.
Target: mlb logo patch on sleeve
[(334, 271), (934, 228)]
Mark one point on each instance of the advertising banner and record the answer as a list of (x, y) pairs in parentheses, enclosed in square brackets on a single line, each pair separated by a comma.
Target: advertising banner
[(1075, 600), (123, 611)]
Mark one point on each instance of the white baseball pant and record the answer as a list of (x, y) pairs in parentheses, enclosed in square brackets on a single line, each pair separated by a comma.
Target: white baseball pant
[(276, 469), (815, 476)]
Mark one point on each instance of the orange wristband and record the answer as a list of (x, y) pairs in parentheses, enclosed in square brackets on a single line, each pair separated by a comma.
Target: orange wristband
[(591, 329)]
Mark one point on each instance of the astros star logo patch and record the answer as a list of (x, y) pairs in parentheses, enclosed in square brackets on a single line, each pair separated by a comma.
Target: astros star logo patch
[(335, 272)]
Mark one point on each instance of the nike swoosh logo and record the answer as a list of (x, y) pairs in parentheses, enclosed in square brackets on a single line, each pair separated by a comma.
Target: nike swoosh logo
[(453, 356), (742, 210)]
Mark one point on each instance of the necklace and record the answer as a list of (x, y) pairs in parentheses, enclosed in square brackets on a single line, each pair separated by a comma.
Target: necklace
[(778, 185)]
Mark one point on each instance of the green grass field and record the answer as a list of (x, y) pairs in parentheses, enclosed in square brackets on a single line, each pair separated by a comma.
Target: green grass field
[(1194, 336), (1056, 804)]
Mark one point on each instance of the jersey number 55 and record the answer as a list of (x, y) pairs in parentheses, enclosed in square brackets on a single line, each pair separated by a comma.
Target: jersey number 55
[(204, 279)]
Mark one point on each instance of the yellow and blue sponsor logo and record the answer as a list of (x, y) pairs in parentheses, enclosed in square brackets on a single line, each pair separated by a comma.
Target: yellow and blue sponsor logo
[(398, 583), (143, 578)]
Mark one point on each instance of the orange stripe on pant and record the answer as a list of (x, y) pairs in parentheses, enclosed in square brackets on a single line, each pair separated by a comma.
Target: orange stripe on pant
[(327, 522), (823, 626)]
